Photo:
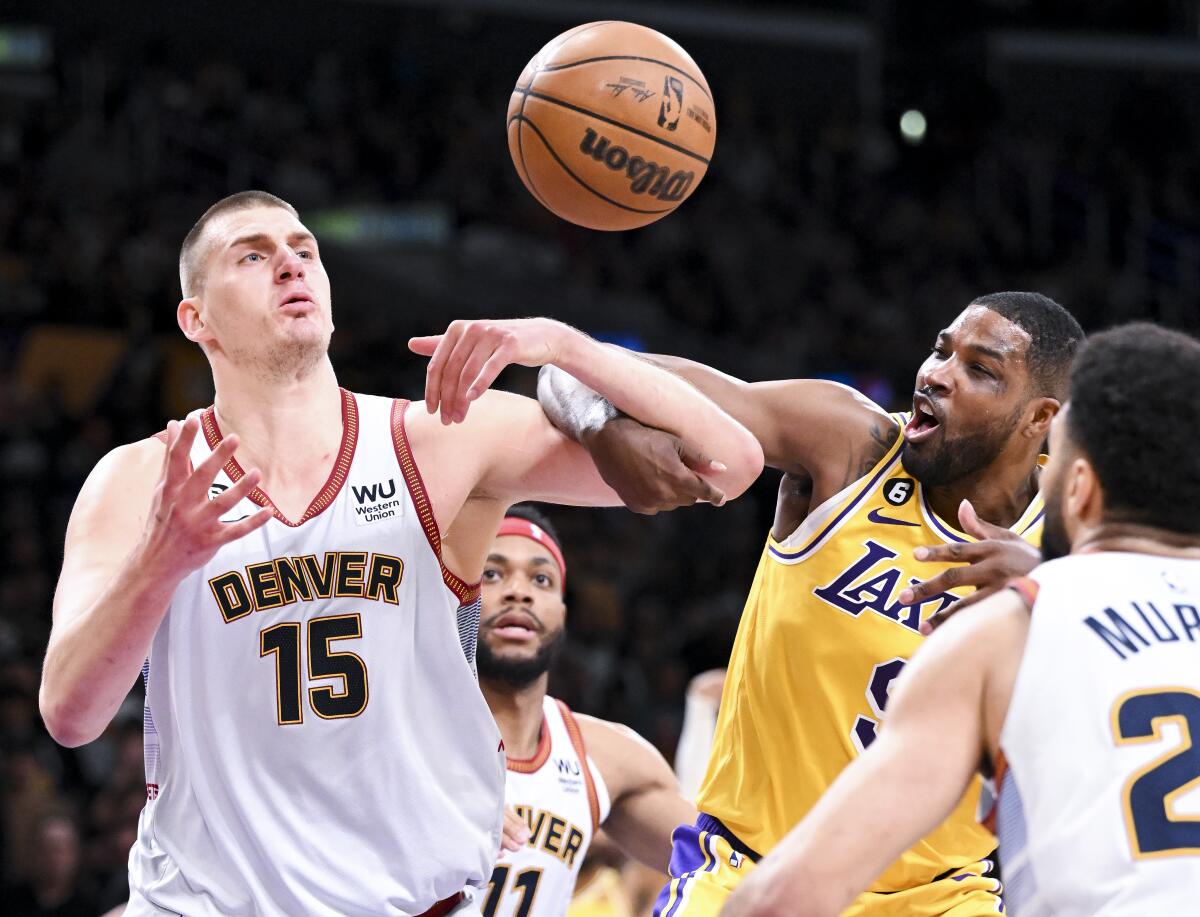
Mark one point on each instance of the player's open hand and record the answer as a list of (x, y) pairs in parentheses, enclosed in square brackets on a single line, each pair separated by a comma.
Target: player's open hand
[(470, 355), (651, 470), (998, 556), (184, 529)]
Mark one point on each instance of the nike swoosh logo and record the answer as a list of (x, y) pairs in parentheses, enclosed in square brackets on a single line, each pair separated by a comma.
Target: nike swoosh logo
[(876, 516)]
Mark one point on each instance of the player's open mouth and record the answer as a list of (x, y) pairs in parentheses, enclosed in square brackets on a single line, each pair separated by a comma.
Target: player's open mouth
[(924, 422), (296, 302), (515, 626)]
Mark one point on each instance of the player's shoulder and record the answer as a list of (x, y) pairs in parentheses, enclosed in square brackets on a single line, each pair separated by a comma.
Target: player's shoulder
[(133, 460), (995, 625), (625, 759)]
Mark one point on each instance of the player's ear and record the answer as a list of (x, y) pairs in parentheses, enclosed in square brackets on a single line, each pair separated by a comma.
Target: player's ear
[(190, 321), (1084, 499), (1041, 413)]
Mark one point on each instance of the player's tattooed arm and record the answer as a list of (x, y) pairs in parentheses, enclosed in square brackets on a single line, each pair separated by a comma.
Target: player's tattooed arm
[(825, 431)]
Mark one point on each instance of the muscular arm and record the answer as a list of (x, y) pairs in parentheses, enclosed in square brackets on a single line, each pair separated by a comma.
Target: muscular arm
[(646, 802), (946, 710), (822, 429), (129, 543)]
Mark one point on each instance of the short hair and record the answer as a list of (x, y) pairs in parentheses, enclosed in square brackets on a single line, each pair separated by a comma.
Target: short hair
[(1054, 337), (190, 275), (531, 513), (1134, 412)]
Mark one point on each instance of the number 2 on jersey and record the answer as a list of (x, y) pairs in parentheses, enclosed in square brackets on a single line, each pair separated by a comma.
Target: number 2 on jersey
[(283, 641), (1155, 830)]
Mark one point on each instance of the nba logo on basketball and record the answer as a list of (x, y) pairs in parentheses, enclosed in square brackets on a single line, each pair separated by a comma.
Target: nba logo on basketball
[(672, 103)]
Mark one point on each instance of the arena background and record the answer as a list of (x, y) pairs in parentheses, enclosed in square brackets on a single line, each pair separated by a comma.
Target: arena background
[(1058, 154)]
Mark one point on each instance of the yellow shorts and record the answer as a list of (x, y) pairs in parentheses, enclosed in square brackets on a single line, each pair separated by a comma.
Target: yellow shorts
[(705, 869)]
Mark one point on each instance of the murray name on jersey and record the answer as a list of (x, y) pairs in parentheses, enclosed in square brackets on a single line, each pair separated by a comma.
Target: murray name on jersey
[(1126, 631), (287, 580)]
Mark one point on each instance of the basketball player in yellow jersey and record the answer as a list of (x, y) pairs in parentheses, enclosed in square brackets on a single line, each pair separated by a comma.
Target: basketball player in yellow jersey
[(838, 600)]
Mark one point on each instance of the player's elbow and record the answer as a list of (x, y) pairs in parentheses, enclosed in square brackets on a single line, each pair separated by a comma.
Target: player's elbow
[(65, 720), (744, 466)]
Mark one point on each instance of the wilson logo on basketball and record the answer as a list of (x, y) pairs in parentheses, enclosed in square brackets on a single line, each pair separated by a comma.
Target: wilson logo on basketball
[(645, 177)]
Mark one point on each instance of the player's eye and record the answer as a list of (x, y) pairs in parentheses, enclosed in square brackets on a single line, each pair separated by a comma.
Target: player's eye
[(305, 254), (491, 575), (938, 351), (253, 257), (982, 371), (543, 580)]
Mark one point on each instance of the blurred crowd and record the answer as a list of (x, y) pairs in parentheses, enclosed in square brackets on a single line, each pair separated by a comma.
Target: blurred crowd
[(815, 246)]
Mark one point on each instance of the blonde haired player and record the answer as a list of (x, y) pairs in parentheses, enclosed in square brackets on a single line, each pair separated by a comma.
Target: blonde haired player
[(567, 773), (837, 603), (1078, 689), (292, 572)]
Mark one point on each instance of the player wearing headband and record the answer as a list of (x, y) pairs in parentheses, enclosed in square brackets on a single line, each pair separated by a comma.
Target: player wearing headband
[(567, 773)]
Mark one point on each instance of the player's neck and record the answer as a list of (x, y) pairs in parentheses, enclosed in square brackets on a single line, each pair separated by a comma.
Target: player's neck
[(999, 494), (518, 713), (281, 424)]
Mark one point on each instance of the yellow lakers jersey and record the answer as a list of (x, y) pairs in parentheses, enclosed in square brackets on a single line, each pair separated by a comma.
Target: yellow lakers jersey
[(821, 641)]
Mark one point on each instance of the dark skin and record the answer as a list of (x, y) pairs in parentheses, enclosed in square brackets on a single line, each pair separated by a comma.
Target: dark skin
[(824, 436)]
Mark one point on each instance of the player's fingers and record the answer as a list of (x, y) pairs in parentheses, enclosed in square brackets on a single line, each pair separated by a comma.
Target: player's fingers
[(201, 479), (935, 621), (227, 500), (469, 386), (437, 360), (424, 345), (948, 579), (696, 460), (178, 453), (450, 371), (236, 530), (487, 374), (969, 522), (705, 490), (956, 552), (516, 833)]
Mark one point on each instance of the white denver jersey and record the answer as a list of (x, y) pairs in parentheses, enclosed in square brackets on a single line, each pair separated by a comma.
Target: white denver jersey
[(316, 741), (562, 798), (1099, 808)]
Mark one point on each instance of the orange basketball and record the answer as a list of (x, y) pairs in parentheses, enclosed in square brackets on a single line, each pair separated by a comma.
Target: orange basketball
[(611, 125)]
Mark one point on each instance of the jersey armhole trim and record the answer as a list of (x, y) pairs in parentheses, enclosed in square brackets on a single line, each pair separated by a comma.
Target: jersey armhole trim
[(824, 519), (581, 753), (999, 772), (465, 592)]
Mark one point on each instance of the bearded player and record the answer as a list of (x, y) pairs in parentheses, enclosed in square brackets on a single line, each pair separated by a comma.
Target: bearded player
[(567, 774), (292, 571), (1078, 689), (839, 598)]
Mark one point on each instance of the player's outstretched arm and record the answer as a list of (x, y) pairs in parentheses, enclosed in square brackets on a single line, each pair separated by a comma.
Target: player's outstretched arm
[(647, 805), (827, 431), (904, 785), (467, 358), (141, 523)]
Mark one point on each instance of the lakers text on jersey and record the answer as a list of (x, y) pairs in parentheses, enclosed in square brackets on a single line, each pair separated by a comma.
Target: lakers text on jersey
[(821, 641)]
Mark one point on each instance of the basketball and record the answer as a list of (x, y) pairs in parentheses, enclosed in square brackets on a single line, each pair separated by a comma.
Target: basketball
[(611, 125)]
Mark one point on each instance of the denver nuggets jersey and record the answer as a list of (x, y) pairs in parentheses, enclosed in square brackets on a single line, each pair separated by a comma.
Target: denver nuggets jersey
[(316, 742), (1099, 807), (562, 798), (821, 641)]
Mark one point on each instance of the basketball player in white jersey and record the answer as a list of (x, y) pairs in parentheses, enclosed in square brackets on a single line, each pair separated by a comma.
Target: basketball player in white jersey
[(1078, 688), (567, 773), (292, 571)]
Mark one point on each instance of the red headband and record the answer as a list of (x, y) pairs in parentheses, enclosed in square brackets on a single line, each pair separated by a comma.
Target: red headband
[(515, 525)]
